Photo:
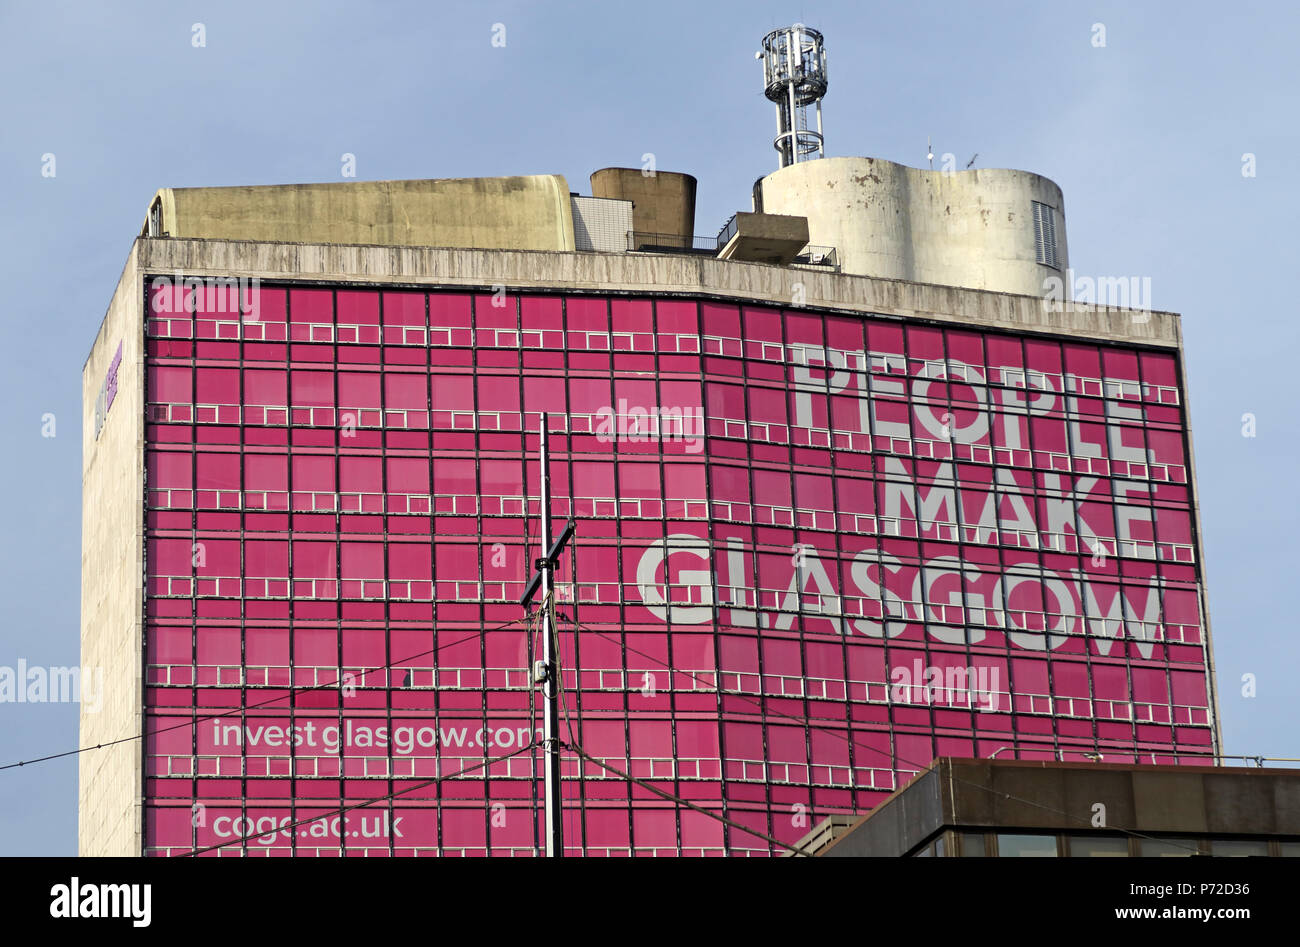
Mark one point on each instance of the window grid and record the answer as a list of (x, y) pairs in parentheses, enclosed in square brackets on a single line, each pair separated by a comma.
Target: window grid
[(380, 557)]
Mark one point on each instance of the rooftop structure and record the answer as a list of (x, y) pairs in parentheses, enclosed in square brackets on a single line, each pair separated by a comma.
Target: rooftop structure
[(1009, 808)]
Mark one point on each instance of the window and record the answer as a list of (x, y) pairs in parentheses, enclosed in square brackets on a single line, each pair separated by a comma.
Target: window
[(1045, 234), (1026, 846), (933, 849), (1237, 848), (1169, 848), (1097, 846)]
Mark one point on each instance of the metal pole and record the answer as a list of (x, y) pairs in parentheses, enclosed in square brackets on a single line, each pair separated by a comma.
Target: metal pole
[(790, 80), (551, 725), (821, 143)]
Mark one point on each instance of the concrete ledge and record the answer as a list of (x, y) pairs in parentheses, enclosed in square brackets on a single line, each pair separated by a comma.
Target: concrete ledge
[(766, 238), (653, 273), (1051, 797)]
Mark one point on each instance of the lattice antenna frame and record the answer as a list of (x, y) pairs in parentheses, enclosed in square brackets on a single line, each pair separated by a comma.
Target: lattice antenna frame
[(794, 78)]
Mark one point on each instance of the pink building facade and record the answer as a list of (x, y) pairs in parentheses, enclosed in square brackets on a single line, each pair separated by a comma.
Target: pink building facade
[(814, 550)]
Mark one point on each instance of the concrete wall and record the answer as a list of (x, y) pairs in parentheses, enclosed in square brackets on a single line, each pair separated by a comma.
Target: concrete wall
[(958, 228), (112, 526), (529, 212), (662, 203)]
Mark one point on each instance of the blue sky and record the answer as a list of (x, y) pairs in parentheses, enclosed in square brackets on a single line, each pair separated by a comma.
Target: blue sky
[(1145, 136)]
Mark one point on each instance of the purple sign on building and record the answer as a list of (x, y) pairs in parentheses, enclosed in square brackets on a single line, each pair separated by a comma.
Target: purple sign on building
[(107, 391)]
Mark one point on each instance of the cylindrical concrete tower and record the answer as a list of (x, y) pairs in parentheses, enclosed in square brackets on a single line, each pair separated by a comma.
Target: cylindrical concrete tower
[(988, 229), (663, 203)]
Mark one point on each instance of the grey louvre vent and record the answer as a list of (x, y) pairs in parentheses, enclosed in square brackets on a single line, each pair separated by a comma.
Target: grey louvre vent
[(153, 225), (1045, 234)]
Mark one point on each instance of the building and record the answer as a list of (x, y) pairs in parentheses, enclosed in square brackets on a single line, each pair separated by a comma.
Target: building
[(833, 518), (1015, 809)]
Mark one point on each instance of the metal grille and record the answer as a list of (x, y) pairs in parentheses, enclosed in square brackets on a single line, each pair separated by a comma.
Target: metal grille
[(601, 224)]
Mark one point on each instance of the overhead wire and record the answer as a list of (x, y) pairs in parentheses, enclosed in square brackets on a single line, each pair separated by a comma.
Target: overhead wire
[(285, 693), (576, 747), (530, 619), (243, 840), (812, 724)]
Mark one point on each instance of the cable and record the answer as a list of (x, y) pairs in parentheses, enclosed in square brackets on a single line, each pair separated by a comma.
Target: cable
[(808, 721), (287, 692), (559, 683), (532, 722), (359, 805), (577, 748), (685, 802), (534, 627), (548, 603)]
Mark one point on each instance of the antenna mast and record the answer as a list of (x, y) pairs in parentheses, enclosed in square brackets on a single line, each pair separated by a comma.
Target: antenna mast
[(794, 77)]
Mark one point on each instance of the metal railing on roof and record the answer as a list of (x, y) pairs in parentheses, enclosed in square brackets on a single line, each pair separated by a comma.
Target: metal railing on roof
[(645, 242), (670, 243), (727, 232)]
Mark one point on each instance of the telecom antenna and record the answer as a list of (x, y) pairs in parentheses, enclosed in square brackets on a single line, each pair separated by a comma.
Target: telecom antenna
[(794, 77)]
